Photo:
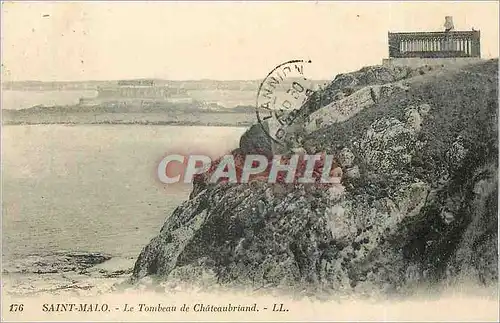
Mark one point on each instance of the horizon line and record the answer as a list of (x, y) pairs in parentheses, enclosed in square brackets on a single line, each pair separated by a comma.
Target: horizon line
[(145, 78)]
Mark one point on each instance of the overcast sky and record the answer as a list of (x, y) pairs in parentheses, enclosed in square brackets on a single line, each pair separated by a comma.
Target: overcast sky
[(217, 40)]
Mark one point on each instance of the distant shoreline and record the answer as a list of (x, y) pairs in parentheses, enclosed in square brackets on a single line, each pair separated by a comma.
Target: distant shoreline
[(168, 117), (173, 123)]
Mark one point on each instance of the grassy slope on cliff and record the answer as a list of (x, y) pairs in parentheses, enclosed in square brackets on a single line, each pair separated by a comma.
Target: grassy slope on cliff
[(464, 107), (464, 103)]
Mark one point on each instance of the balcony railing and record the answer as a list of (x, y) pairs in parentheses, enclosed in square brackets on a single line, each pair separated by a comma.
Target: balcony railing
[(435, 44)]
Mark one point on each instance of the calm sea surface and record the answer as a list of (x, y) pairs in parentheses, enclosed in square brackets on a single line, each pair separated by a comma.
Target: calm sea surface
[(93, 187)]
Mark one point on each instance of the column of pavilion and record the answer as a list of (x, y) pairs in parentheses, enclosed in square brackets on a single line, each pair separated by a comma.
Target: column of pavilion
[(435, 44)]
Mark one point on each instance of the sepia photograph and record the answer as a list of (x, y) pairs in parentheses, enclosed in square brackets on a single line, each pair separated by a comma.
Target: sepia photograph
[(236, 161)]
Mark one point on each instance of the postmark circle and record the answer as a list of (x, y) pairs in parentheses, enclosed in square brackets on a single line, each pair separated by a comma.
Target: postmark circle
[(280, 97)]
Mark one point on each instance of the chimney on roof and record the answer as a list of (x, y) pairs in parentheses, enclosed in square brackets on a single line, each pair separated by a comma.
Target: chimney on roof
[(448, 23)]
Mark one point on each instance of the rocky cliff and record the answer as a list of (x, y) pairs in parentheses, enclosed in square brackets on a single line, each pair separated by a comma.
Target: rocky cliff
[(417, 203)]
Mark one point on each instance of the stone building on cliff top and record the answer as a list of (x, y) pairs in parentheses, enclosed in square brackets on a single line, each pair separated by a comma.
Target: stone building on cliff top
[(448, 47)]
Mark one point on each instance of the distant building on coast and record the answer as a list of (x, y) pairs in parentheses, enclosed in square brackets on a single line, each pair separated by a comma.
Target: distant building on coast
[(434, 48), (134, 91)]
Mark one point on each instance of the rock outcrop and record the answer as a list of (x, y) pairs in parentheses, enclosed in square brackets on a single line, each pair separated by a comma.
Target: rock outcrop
[(417, 203), (56, 263)]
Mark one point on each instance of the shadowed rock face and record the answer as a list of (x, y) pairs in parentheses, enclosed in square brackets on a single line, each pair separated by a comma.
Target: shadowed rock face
[(256, 141), (417, 203)]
